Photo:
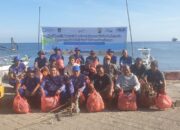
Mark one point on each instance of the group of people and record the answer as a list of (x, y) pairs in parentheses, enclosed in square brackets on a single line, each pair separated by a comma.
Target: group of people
[(76, 80)]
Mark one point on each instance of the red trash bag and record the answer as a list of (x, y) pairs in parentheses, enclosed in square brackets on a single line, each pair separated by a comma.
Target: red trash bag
[(95, 102), (20, 105), (163, 101), (127, 101), (49, 103)]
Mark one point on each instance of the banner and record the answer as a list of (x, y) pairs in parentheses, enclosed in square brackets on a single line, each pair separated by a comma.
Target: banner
[(98, 39)]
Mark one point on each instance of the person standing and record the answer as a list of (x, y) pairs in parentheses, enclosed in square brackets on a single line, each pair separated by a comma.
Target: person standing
[(79, 59), (57, 55), (125, 59), (68, 68), (92, 57), (138, 68), (41, 61), (110, 68), (111, 54)]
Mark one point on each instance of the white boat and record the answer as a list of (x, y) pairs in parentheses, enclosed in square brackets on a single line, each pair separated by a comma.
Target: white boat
[(145, 54), (174, 39), (7, 60)]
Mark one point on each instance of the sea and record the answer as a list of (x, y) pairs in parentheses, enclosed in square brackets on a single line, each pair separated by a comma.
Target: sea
[(166, 53)]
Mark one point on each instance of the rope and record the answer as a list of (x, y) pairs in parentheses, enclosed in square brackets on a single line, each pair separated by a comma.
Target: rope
[(56, 115)]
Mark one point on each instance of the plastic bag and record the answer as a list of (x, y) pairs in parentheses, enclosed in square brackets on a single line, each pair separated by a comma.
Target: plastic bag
[(20, 105), (163, 101), (48, 103), (127, 101), (95, 102)]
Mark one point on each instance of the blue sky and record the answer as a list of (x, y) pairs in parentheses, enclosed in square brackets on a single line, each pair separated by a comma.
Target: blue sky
[(152, 20)]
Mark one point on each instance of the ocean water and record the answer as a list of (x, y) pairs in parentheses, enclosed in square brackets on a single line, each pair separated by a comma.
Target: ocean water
[(166, 53)]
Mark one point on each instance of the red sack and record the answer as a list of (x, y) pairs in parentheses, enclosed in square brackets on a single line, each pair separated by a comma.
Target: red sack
[(163, 101), (20, 105), (48, 103), (127, 101), (95, 102)]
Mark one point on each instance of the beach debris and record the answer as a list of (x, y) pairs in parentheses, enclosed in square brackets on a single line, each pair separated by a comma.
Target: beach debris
[(177, 103)]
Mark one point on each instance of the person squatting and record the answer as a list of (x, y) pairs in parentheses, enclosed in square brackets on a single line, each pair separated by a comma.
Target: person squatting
[(75, 81)]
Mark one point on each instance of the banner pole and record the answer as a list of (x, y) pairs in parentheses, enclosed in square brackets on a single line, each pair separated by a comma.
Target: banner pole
[(39, 23), (130, 30)]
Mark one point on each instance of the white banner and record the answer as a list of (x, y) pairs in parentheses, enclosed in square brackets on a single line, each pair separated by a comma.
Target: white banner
[(84, 38)]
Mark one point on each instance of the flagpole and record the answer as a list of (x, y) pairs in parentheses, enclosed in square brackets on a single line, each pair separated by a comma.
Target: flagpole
[(130, 30), (39, 24)]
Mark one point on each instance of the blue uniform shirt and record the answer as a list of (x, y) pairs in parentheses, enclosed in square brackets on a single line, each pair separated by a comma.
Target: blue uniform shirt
[(55, 56), (52, 84), (113, 60), (79, 57), (78, 82), (17, 69), (41, 62), (125, 61), (30, 83)]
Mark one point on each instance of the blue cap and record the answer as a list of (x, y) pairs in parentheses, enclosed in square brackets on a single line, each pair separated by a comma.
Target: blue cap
[(154, 63), (16, 59), (41, 52), (92, 52), (30, 69), (138, 59), (57, 49), (76, 49), (76, 68), (110, 51)]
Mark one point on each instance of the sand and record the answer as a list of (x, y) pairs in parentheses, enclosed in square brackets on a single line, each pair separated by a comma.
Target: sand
[(143, 119)]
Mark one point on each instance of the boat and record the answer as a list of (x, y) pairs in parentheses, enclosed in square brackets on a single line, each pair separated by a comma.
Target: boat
[(145, 55), (7, 60), (174, 39)]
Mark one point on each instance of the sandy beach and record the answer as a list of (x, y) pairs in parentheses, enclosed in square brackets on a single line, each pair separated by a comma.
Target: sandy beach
[(143, 119)]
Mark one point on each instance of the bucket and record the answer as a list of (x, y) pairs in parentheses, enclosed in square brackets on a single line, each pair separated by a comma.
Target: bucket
[(1, 91)]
